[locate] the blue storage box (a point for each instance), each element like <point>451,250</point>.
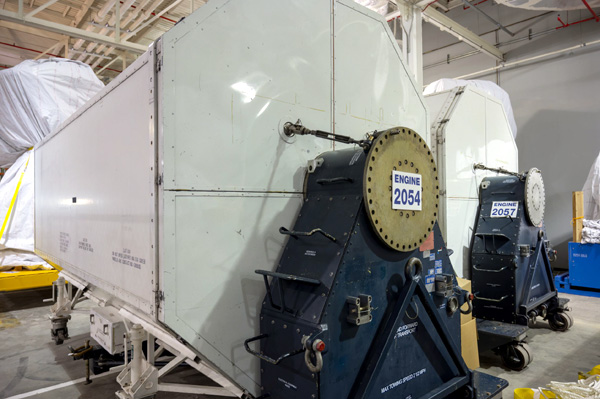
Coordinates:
<point>584,265</point>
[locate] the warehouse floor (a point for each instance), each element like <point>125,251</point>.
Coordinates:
<point>31,365</point>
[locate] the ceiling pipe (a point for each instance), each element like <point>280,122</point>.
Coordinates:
<point>509,65</point>
<point>40,52</point>
<point>498,24</point>
<point>533,19</point>
<point>105,9</point>
<point>105,31</point>
<point>133,14</point>
<point>573,23</point>
<point>161,17</point>
<point>592,11</point>
<point>140,19</point>
<point>138,29</point>
<point>529,37</point>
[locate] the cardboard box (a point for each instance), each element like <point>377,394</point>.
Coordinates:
<point>465,285</point>
<point>469,347</point>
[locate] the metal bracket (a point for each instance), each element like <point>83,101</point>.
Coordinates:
<point>359,311</point>
<point>444,285</point>
<point>524,250</point>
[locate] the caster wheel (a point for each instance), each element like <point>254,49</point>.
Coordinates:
<point>468,392</point>
<point>60,337</point>
<point>560,321</point>
<point>517,356</point>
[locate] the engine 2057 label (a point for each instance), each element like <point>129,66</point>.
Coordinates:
<point>504,209</point>
<point>406,191</point>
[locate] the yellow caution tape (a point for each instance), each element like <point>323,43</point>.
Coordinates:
<point>14,198</point>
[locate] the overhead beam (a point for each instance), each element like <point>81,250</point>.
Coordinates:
<point>49,50</point>
<point>440,20</point>
<point>42,7</point>
<point>70,31</point>
<point>31,31</point>
<point>82,12</point>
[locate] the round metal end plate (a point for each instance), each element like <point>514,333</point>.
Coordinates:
<point>400,149</point>
<point>535,197</point>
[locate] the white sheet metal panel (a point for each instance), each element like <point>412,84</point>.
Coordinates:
<point>213,297</point>
<point>262,63</point>
<point>94,194</point>
<point>373,88</point>
<point>476,131</point>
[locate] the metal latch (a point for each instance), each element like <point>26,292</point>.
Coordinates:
<point>359,311</point>
<point>444,285</point>
<point>524,250</point>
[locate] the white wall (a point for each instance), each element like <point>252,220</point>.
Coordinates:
<point>556,102</point>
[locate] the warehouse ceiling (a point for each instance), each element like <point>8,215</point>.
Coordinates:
<point>109,34</point>
<point>106,34</point>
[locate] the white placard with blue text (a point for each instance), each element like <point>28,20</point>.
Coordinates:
<point>406,191</point>
<point>504,209</point>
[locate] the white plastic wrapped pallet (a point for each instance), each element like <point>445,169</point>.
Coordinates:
<point>36,97</point>
<point>591,192</point>
<point>591,208</point>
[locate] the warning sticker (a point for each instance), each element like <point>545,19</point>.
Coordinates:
<point>429,282</point>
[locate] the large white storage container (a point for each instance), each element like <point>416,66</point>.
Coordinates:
<point>468,126</point>
<point>167,190</point>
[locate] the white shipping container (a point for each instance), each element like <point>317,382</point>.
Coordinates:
<point>167,190</point>
<point>468,127</point>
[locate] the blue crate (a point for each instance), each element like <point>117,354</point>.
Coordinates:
<point>584,271</point>
<point>584,265</point>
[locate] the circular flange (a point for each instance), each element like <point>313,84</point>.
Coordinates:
<point>400,149</point>
<point>535,197</point>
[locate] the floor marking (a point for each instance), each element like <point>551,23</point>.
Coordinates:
<point>59,386</point>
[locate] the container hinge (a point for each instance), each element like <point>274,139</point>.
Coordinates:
<point>160,296</point>
<point>158,64</point>
<point>159,180</point>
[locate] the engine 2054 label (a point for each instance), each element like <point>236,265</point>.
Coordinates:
<point>504,209</point>
<point>406,191</point>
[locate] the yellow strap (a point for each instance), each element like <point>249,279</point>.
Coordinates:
<point>14,198</point>
<point>574,219</point>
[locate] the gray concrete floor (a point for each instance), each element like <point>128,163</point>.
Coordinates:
<point>29,360</point>
<point>556,356</point>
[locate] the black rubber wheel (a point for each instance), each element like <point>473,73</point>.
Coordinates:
<point>560,321</point>
<point>516,356</point>
<point>60,337</point>
<point>468,392</point>
<point>570,319</point>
